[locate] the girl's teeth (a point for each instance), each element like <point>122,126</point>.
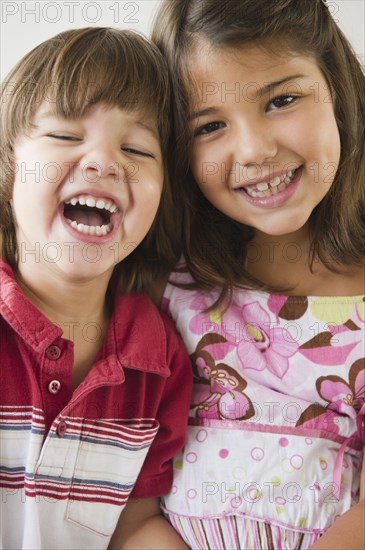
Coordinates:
<point>264,189</point>
<point>82,201</point>
<point>73,201</point>
<point>90,229</point>
<point>262,186</point>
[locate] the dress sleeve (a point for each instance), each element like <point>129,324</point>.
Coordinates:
<point>155,477</point>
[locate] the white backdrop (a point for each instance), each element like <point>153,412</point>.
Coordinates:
<point>24,24</point>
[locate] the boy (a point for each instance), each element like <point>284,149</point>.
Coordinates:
<point>95,386</point>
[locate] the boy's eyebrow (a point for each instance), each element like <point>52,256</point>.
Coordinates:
<point>45,115</point>
<point>263,90</point>
<point>152,130</point>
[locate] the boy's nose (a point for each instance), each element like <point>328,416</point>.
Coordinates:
<point>96,170</point>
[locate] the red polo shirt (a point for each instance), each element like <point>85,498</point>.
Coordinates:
<point>70,460</point>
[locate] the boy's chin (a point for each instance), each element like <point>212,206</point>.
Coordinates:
<point>80,272</point>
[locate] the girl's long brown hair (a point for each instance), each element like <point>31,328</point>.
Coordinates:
<point>215,247</point>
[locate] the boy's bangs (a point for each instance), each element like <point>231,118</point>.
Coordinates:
<point>116,71</point>
<point>81,67</point>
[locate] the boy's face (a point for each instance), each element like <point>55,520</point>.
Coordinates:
<point>86,191</point>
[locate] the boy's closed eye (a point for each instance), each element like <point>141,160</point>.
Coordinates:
<point>139,152</point>
<point>72,138</point>
<point>64,137</point>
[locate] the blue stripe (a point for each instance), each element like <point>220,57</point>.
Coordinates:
<point>15,469</point>
<point>107,442</point>
<point>13,427</point>
<point>96,483</point>
<point>17,428</point>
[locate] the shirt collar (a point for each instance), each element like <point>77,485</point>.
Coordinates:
<point>136,336</point>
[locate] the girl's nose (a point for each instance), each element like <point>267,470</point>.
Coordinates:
<point>255,143</point>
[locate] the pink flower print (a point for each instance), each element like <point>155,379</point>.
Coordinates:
<point>287,307</point>
<point>263,347</point>
<point>221,399</point>
<point>333,346</point>
<point>218,389</point>
<point>215,321</point>
<point>317,417</point>
<point>345,398</point>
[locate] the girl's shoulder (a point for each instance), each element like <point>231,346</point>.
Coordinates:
<point>179,298</point>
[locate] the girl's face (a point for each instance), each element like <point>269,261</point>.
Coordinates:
<point>86,190</point>
<point>266,144</point>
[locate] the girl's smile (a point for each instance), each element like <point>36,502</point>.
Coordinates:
<point>269,193</point>
<point>266,143</point>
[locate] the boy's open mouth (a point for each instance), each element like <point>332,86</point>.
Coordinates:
<point>90,215</point>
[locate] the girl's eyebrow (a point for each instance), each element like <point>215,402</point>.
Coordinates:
<point>203,112</point>
<point>268,87</point>
<point>271,85</point>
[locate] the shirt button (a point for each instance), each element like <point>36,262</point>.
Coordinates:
<point>53,352</point>
<point>54,386</point>
<point>61,428</point>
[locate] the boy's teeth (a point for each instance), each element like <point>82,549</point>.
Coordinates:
<point>101,204</point>
<point>90,202</point>
<point>90,229</point>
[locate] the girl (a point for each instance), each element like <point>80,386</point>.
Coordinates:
<point>94,383</point>
<point>270,176</point>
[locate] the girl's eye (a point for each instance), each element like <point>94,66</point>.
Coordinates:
<point>281,101</point>
<point>209,128</point>
<point>133,151</point>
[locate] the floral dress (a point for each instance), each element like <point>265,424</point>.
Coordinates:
<point>275,439</point>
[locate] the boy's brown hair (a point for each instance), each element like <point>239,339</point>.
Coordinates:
<point>215,247</point>
<point>74,70</point>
